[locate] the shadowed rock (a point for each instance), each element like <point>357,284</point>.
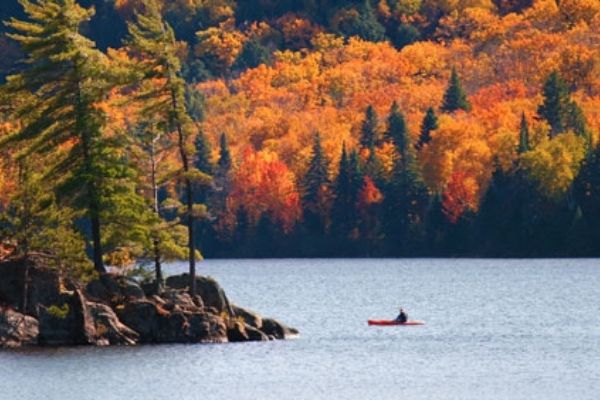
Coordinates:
<point>17,329</point>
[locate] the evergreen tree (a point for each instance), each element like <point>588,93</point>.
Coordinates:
<point>430,123</point>
<point>586,190</point>
<point>347,186</point>
<point>556,103</point>
<point>559,110</point>
<point>576,121</point>
<point>203,153</point>
<point>362,22</point>
<point>155,41</point>
<point>524,135</point>
<point>224,162</point>
<point>397,128</point>
<point>369,136</point>
<point>314,189</point>
<point>167,236</point>
<point>341,211</point>
<point>455,97</point>
<point>252,55</point>
<point>405,200</point>
<point>68,77</point>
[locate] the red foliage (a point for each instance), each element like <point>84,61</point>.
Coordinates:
<point>264,184</point>
<point>460,196</point>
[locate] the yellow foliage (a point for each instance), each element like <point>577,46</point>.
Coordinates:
<point>220,46</point>
<point>555,163</point>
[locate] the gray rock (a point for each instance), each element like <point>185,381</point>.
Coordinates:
<point>278,330</point>
<point>67,322</point>
<point>43,286</point>
<point>206,328</point>
<point>17,329</point>
<point>108,328</point>
<point>207,288</point>
<point>130,288</point>
<point>250,317</point>
<point>142,316</point>
<point>236,332</point>
<point>255,334</point>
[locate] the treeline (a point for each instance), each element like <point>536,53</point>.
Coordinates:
<point>307,143</point>
<point>366,210</point>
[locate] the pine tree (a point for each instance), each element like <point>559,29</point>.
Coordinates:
<point>224,162</point>
<point>314,188</point>
<point>369,134</point>
<point>397,128</point>
<point>155,41</point>
<point>222,177</point>
<point>559,110</point>
<point>524,136</point>
<point>430,123</point>
<point>168,237</point>
<point>405,199</point>
<point>556,103</point>
<point>67,77</point>
<point>342,204</point>
<point>347,187</point>
<point>455,97</point>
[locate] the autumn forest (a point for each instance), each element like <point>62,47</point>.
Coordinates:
<point>143,131</point>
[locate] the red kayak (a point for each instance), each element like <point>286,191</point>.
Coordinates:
<point>390,322</point>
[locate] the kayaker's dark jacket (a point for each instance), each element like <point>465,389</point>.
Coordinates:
<point>402,317</point>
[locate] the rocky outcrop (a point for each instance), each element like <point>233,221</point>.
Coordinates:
<point>108,329</point>
<point>115,310</point>
<point>207,288</point>
<point>277,330</point>
<point>17,329</point>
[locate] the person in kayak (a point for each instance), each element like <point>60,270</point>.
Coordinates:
<point>402,317</point>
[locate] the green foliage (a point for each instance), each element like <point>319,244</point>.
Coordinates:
<point>397,130</point>
<point>524,136</point>
<point>346,188</point>
<point>59,312</point>
<point>66,76</point>
<point>455,97</point>
<point>406,196</point>
<point>369,132</point>
<point>224,162</point>
<point>36,224</point>
<point>315,189</point>
<point>252,55</point>
<point>555,108</point>
<point>361,22</point>
<point>430,123</point>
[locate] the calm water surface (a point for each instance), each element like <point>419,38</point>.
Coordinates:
<point>496,329</point>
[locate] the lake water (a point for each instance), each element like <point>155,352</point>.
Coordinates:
<point>496,329</point>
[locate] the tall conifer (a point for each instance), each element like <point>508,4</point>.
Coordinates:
<point>155,41</point>
<point>430,123</point>
<point>67,77</point>
<point>455,97</point>
<point>314,188</point>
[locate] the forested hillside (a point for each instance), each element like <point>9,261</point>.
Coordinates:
<point>141,130</point>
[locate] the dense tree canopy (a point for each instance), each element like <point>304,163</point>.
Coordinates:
<point>430,115</point>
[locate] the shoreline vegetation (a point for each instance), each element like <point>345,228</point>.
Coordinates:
<point>139,132</point>
<point>39,307</point>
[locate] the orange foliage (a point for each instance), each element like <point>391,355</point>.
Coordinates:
<point>460,196</point>
<point>264,185</point>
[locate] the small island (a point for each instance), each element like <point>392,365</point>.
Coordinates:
<point>39,307</point>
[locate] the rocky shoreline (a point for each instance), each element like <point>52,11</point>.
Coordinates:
<point>39,308</point>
